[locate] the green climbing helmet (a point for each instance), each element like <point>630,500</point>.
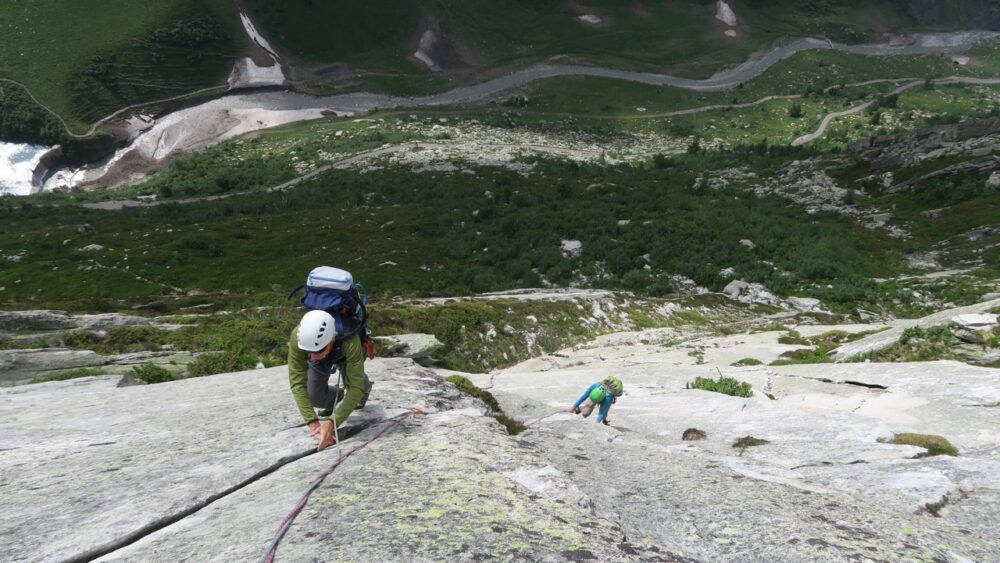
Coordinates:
<point>597,395</point>
<point>614,385</point>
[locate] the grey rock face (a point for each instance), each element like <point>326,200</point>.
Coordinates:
<point>825,488</point>
<point>206,469</point>
<point>86,463</point>
<point>19,366</point>
<point>18,321</point>
<point>975,321</point>
<point>805,304</point>
<point>889,337</point>
<point>21,322</point>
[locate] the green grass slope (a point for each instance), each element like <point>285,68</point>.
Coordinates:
<point>86,59</point>
<point>377,39</point>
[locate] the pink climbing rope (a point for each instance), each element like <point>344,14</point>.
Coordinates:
<point>287,522</point>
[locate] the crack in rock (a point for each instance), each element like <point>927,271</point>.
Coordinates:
<point>828,464</point>
<point>170,519</point>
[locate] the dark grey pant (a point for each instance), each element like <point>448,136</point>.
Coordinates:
<point>321,394</point>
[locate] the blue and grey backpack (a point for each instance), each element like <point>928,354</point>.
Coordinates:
<point>333,290</point>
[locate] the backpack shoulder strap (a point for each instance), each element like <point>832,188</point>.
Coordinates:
<point>296,290</point>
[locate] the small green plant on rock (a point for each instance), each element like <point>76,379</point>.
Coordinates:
<point>746,362</point>
<point>935,445</point>
<point>692,434</point>
<point>724,385</point>
<point>151,373</point>
<point>748,442</point>
<point>514,427</point>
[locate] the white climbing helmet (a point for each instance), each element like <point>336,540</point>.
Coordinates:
<point>316,330</point>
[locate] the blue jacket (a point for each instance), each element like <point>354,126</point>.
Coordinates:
<point>605,404</point>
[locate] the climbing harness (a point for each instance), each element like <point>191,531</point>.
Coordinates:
<point>272,548</point>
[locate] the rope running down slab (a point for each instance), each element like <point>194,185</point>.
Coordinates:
<point>287,522</point>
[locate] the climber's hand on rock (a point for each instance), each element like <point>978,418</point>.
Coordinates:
<point>325,435</point>
<point>314,429</point>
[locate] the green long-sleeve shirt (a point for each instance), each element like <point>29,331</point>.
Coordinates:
<point>298,370</point>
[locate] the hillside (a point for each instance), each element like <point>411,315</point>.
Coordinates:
<point>76,75</point>
<point>777,222</point>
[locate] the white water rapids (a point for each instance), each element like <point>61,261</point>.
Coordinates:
<point>17,166</point>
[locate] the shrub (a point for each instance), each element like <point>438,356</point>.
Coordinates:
<point>725,385</point>
<point>151,373</point>
<point>747,362</point>
<point>692,434</point>
<point>218,362</point>
<point>513,427</point>
<point>748,442</point>
<point>935,445</point>
<point>805,356</point>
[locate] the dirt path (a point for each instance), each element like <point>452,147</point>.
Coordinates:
<point>837,114</point>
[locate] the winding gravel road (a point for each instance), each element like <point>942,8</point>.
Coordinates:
<point>837,114</point>
<point>198,127</point>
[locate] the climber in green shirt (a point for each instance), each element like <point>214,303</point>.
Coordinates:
<point>315,352</point>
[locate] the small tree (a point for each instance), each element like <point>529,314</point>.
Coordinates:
<point>795,111</point>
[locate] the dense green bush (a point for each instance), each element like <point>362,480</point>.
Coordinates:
<point>219,362</point>
<point>151,373</point>
<point>724,385</point>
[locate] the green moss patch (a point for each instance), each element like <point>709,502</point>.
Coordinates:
<point>692,434</point>
<point>935,445</point>
<point>514,427</point>
<point>748,442</point>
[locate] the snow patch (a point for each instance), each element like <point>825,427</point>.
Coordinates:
<point>257,37</point>
<point>246,73</point>
<point>427,41</point>
<point>591,19</point>
<point>724,13</point>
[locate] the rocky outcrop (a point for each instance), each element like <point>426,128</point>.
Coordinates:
<point>418,347</point>
<point>887,338</point>
<point>21,366</point>
<point>888,152</point>
<point>153,473</point>
<point>18,367</point>
<point>28,325</point>
<point>829,485</point>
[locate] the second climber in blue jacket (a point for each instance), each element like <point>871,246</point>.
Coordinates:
<point>604,394</point>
